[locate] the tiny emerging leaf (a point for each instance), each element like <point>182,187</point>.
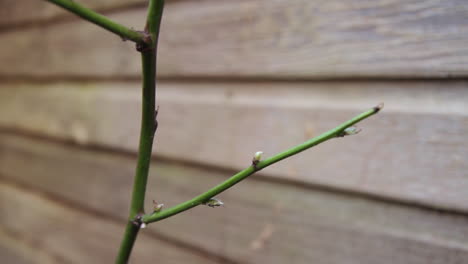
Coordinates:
<point>157,206</point>
<point>352,130</point>
<point>213,202</point>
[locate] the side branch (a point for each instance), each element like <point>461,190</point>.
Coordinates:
<point>338,131</point>
<point>100,20</point>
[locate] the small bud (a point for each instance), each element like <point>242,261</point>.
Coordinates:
<point>157,206</point>
<point>351,131</point>
<point>213,202</point>
<point>378,107</point>
<point>258,156</point>
<point>256,159</point>
<point>143,225</point>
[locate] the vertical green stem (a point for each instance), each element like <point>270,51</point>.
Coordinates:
<point>148,128</point>
<point>130,235</point>
<point>146,133</point>
<point>144,155</point>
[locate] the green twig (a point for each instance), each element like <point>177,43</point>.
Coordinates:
<point>100,20</point>
<point>148,128</point>
<point>256,166</point>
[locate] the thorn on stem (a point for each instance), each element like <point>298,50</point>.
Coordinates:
<point>213,202</point>
<point>156,119</point>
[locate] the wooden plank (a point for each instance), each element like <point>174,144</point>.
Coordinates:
<point>9,256</point>
<point>19,250</point>
<point>404,153</point>
<point>261,39</point>
<point>262,222</point>
<point>14,12</point>
<point>74,236</point>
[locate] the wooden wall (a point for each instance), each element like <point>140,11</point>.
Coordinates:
<point>236,77</point>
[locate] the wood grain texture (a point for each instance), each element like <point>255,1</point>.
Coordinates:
<point>413,151</point>
<point>18,249</point>
<point>13,13</point>
<point>262,222</point>
<point>260,39</point>
<point>72,236</point>
<point>9,256</point>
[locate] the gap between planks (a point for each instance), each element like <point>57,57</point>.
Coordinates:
<point>221,79</point>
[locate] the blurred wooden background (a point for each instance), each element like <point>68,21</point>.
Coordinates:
<point>236,77</point>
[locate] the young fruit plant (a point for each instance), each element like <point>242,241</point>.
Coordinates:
<point>147,44</point>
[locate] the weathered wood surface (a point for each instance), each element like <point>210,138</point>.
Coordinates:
<point>7,255</point>
<point>68,235</point>
<point>261,39</point>
<point>22,249</point>
<point>413,151</point>
<point>262,222</point>
<point>14,12</point>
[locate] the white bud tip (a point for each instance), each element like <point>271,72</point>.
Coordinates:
<point>214,202</point>
<point>143,225</point>
<point>258,155</point>
<point>158,207</point>
<point>352,131</point>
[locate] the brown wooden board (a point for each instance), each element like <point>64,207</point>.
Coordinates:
<point>69,235</point>
<point>7,255</point>
<point>259,39</point>
<point>19,249</point>
<point>30,12</point>
<point>261,222</point>
<point>413,151</point>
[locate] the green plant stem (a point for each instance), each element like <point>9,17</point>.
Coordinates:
<point>153,23</point>
<point>336,132</point>
<point>126,246</point>
<point>148,128</point>
<point>100,20</point>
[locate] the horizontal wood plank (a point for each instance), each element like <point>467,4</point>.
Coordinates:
<point>7,255</point>
<point>72,236</point>
<point>260,39</point>
<point>18,249</point>
<point>413,151</point>
<point>13,13</point>
<point>261,222</point>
